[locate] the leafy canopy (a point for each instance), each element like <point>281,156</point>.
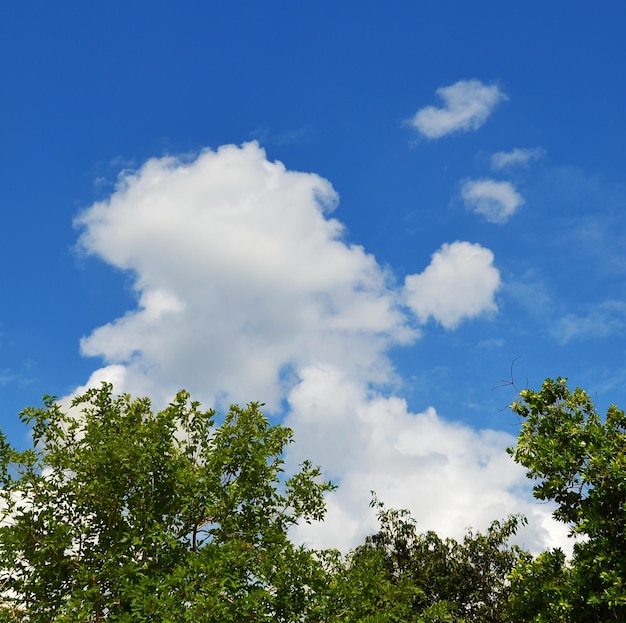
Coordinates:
<point>117,513</point>
<point>121,514</point>
<point>578,460</point>
<point>401,576</point>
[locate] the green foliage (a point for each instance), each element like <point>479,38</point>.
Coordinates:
<point>399,575</point>
<point>541,590</point>
<point>120,514</point>
<point>578,459</point>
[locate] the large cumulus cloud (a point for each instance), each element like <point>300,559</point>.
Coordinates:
<point>247,290</point>
<point>241,276</point>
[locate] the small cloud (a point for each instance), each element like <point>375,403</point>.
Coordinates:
<point>515,158</point>
<point>496,201</point>
<point>460,282</point>
<point>467,105</point>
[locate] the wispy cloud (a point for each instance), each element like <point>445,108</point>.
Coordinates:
<point>459,283</point>
<point>515,158</point>
<point>467,105</point>
<point>606,319</point>
<point>7,376</point>
<point>530,292</point>
<point>496,201</point>
<point>266,135</point>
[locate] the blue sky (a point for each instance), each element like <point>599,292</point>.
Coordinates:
<point>360,215</point>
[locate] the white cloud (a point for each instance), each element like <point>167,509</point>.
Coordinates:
<point>247,291</point>
<point>467,105</point>
<point>516,157</point>
<point>241,277</point>
<point>496,201</point>
<point>448,475</point>
<point>459,283</point>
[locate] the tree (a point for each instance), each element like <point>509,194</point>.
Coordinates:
<point>399,575</point>
<point>121,514</point>
<point>578,459</point>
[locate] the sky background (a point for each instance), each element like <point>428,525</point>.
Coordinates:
<point>365,215</point>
